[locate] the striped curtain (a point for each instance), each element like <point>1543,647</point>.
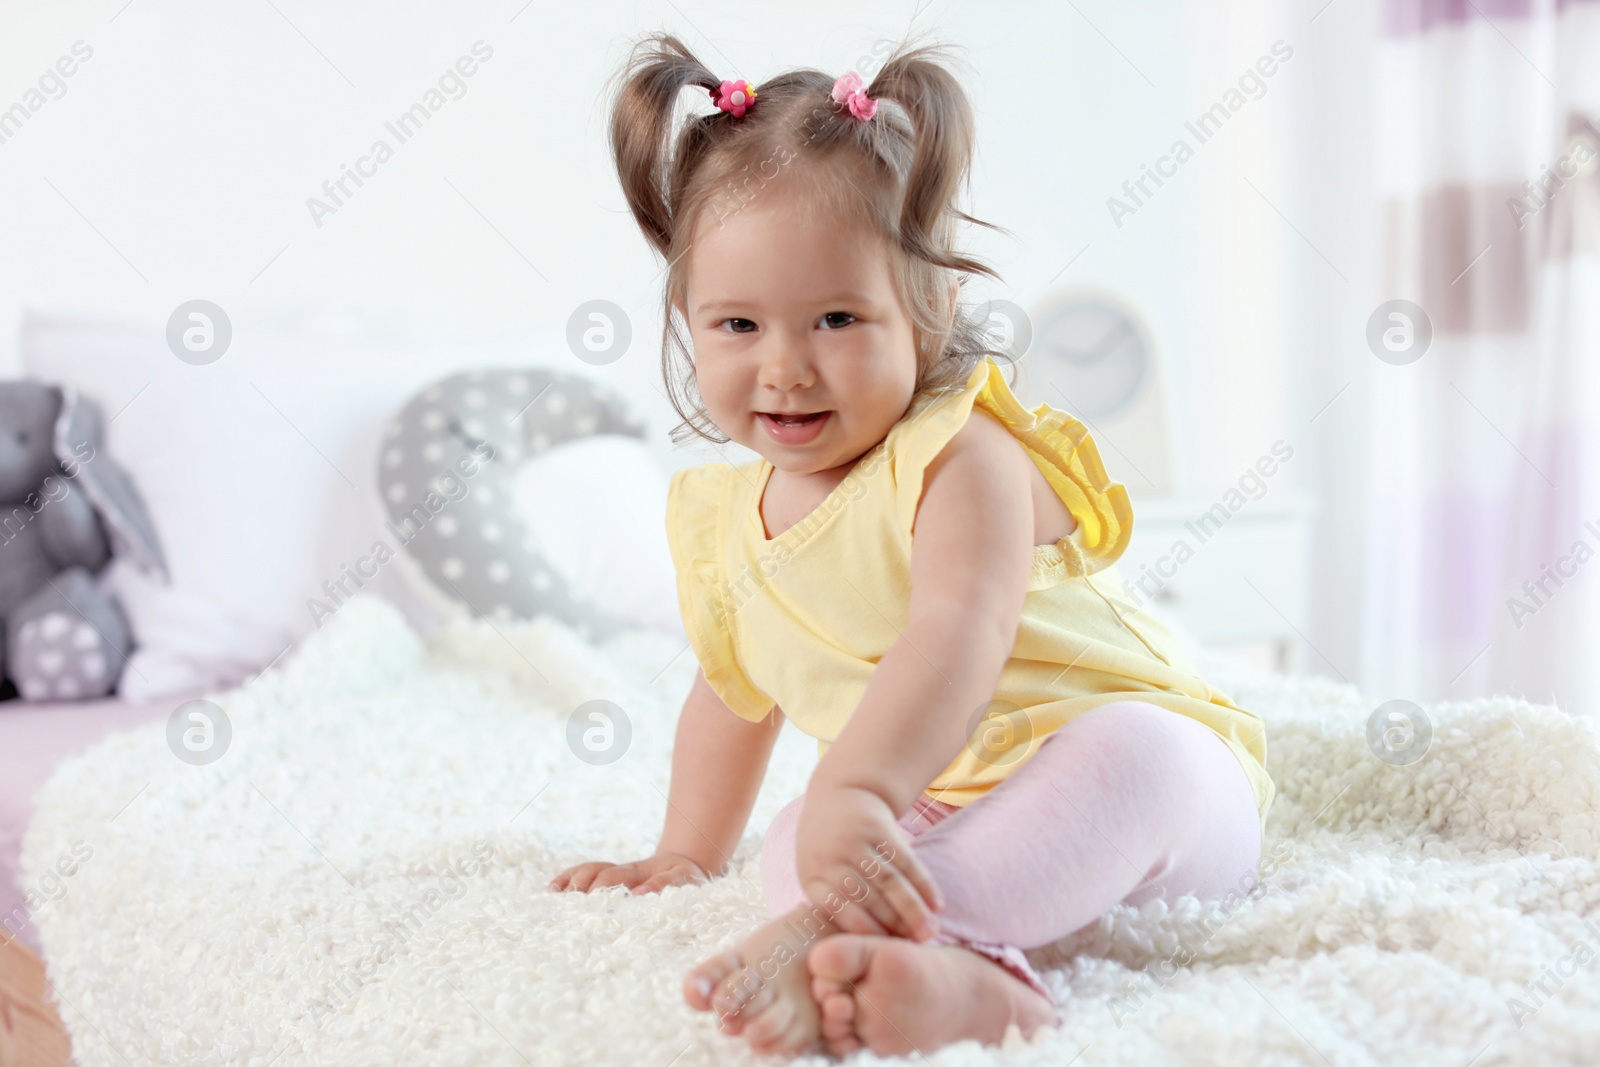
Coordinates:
<point>1483,552</point>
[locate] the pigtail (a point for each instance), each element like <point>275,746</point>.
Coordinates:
<point>942,136</point>
<point>658,69</point>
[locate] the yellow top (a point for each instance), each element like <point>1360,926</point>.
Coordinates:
<point>802,619</point>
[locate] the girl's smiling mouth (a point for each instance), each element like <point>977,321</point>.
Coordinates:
<point>796,429</point>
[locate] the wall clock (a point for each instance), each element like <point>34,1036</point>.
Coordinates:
<point>1092,355</point>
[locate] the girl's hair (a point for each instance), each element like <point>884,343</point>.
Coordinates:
<point>898,172</point>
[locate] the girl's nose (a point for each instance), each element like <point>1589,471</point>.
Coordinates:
<point>786,367</point>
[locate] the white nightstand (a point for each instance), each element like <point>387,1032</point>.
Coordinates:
<point>1238,580</point>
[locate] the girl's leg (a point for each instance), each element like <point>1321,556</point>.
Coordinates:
<point>1125,803</point>
<point>780,885</point>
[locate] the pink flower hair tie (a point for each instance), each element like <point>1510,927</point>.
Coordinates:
<point>847,90</point>
<point>735,97</point>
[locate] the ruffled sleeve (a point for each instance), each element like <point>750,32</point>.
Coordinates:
<point>1059,445</point>
<point>696,509</point>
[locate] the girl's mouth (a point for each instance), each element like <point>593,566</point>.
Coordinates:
<point>794,429</point>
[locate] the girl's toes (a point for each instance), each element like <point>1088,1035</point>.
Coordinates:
<point>838,1017</point>
<point>741,999</point>
<point>701,982</point>
<point>846,1047</point>
<point>838,1008</point>
<point>844,1044</point>
<point>772,1029</point>
<point>840,961</point>
<point>822,989</point>
<point>836,964</point>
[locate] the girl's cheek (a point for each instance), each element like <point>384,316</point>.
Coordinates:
<point>715,392</point>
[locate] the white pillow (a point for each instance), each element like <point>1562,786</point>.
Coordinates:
<point>617,556</point>
<point>259,472</point>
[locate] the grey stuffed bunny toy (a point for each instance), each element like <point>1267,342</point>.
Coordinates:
<point>65,511</point>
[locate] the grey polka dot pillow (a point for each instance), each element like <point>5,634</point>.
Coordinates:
<point>446,472</point>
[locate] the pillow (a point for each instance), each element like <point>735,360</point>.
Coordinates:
<point>453,460</point>
<point>259,470</point>
<point>618,557</point>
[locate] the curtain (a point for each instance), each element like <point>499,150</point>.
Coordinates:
<point>1483,519</point>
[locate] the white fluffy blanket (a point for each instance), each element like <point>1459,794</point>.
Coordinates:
<point>303,899</point>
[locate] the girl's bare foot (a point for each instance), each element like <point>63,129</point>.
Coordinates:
<point>761,989</point>
<point>895,996</point>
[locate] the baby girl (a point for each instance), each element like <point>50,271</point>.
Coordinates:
<point>917,572</point>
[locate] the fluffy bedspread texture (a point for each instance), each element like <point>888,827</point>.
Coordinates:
<point>360,879</point>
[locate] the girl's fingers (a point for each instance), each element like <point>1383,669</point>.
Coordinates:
<point>657,882</point>
<point>636,876</point>
<point>907,863</point>
<point>882,908</point>
<point>908,904</point>
<point>886,892</point>
<point>563,880</point>
<point>625,874</point>
<point>852,917</point>
<point>582,876</point>
<point>908,913</point>
<point>855,919</point>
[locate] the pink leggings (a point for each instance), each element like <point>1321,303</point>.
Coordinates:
<point>1125,803</point>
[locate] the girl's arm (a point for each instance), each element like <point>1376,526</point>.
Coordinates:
<point>970,563</point>
<point>718,762</point>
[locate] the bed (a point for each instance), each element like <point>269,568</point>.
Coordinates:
<point>360,879</point>
<point>34,738</point>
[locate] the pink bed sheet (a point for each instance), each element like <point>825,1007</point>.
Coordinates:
<point>34,738</point>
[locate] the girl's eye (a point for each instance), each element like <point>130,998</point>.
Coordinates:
<point>738,325</point>
<point>831,317</point>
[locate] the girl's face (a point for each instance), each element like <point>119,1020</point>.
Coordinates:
<point>796,316</point>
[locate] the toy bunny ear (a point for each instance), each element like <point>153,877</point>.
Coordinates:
<point>80,449</point>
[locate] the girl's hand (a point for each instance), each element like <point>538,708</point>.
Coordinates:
<point>646,876</point>
<point>853,859</point>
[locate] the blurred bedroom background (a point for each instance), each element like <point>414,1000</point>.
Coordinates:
<point>1321,277</point>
